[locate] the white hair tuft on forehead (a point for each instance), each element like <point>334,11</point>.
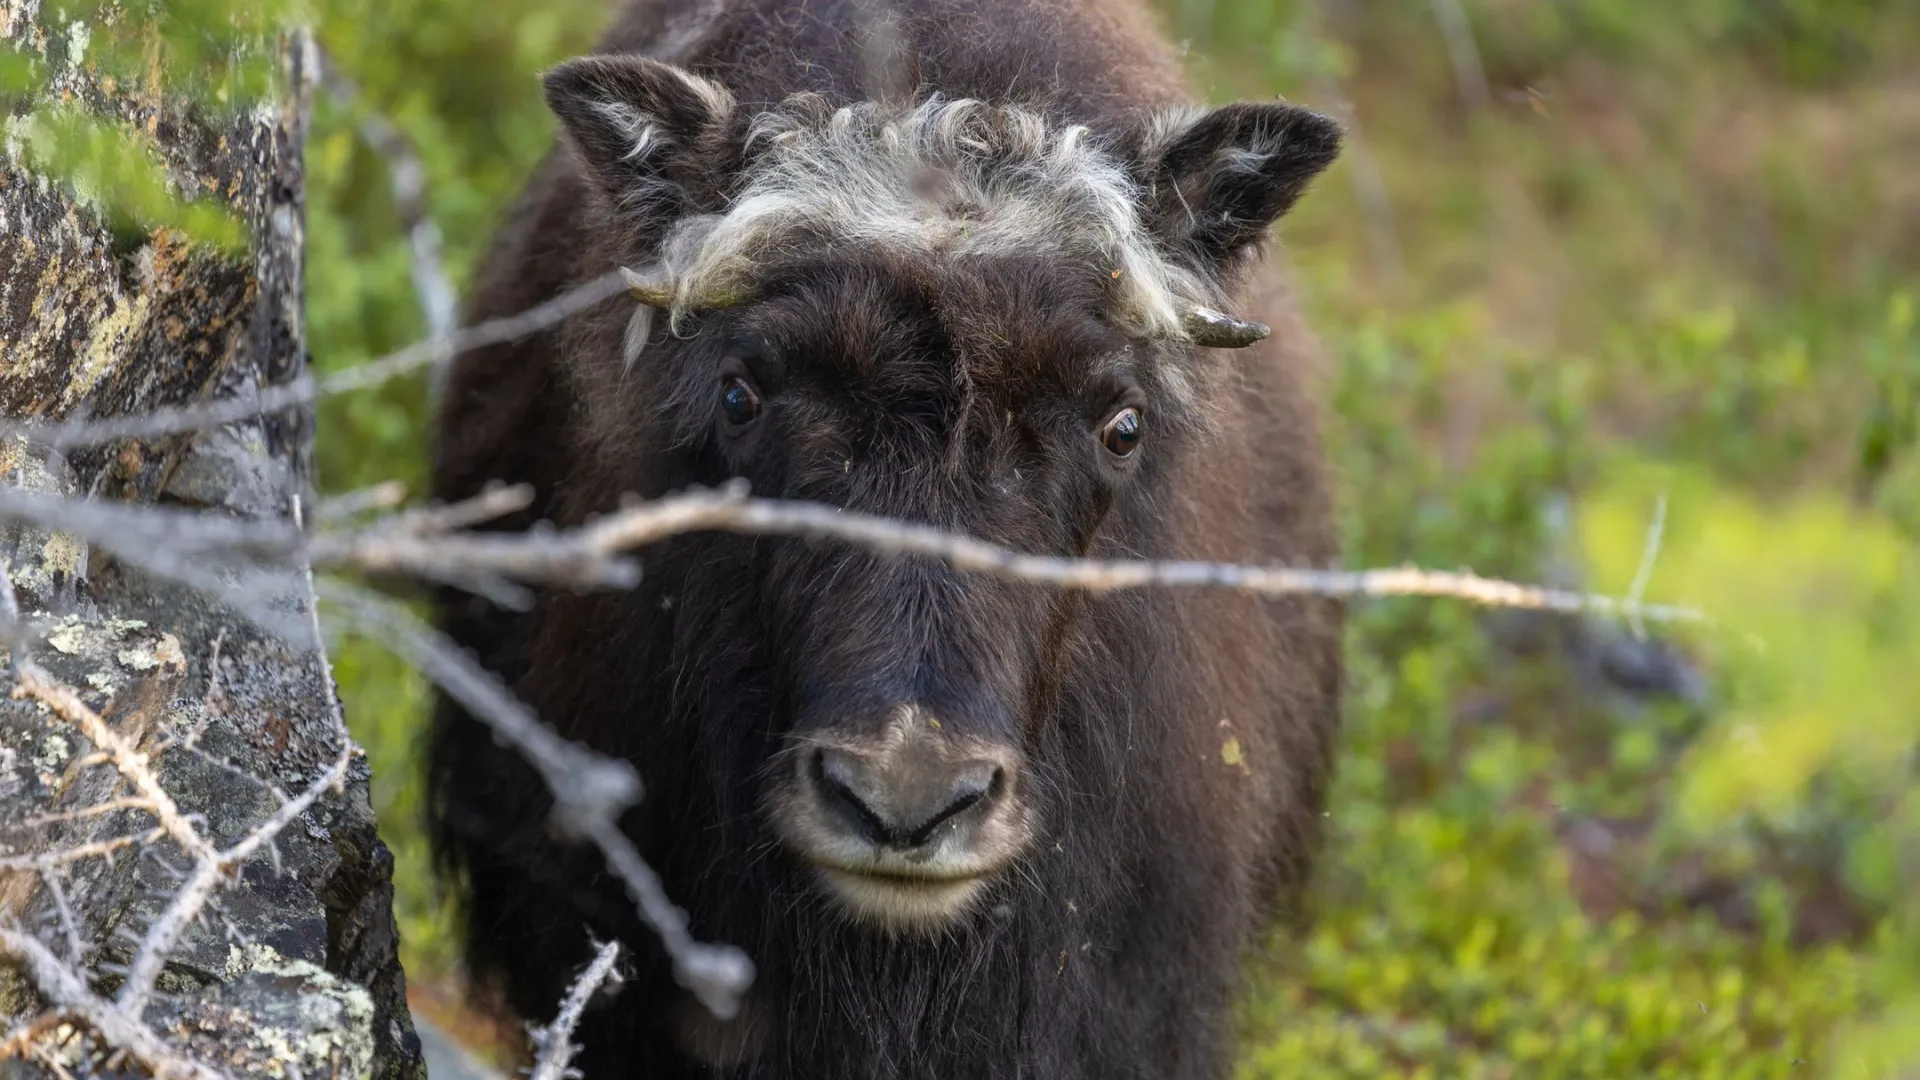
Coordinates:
<point>945,178</point>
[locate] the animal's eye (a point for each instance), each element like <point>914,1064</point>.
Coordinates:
<point>1122,434</point>
<point>738,403</point>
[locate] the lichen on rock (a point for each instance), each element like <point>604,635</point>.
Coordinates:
<point>296,973</point>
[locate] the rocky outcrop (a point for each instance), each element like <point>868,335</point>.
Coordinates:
<point>292,971</point>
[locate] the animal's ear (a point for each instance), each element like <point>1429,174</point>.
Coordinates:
<point>647,132</point>
<point>1218,180</point>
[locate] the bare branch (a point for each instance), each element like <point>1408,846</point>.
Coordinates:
<point>107,807</point>
<point>97,849</point>
<point>120,1027</point>
<point>76,949</point>
<point>213,553</point>
<point>1468,72</point>
<point>716,974</point>
<point>495,502</point>
<point>45,1057</point>
<point>131,763</point>
<point>590,556</point>
<point>305,389</point>
<point>585,784</point>
<point>209,864</point>
<point>208,872</point>
<point>118,525</point>
<point>438,304</point>
<point>331,778</point>
<point>589,790</point>
<point>1649,553</point>
<point>382,496</point>
<point>556,1040</point>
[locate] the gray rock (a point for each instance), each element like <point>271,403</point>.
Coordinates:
<point>295,971</point>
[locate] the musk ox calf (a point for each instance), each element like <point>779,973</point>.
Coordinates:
<point>974,263</point>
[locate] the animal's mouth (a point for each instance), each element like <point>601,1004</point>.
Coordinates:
<point>901,901</point>
<point>906,830</point>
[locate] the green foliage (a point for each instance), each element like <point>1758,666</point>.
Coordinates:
<point>1598,306</point>
<point>460,80</point>
<point>1815,601</point>
<point>1451,940</point>
<point>1802,41</point>
<point>1818,734</point>
<point>218,54</point>
<point>1809,43</point>
<point>1471,961</point>
<point>116,172</point>
<point>1892,428</point>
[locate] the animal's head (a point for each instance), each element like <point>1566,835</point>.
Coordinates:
<point>955,313</point>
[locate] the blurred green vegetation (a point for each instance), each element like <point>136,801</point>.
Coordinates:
<point>460,81</point>
<point>1673,255</point>
<point>1672,258</point>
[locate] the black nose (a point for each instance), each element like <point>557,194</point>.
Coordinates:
<point>899,797</point>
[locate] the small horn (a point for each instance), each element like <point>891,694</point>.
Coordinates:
<point>655,292</point>
<point>1217,330</point>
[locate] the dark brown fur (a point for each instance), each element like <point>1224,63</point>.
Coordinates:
<point>955,395</point>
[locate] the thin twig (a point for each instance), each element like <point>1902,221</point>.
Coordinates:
<point>130,762</point>
<point>332,778</point>
<point>585,784</point>
<point>180,546</point>
<point>408,176</point>
<point>305,389</point>
<point>45,1057</point>
<point>382,496</point>
<point>184,533</point>
<point>76,949</point>
<point>592,556</point>
<point>206,877</point>
<point>107,807</point>
<point>120,1027</point>
<point>718,975</point>
<point>556,1039</point>
<point>496,501</point>
<point>1469,74</point>
<point>589,790</point>
<point>45,861</point>
<point>210,865</point>
<point>1649,552</point>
